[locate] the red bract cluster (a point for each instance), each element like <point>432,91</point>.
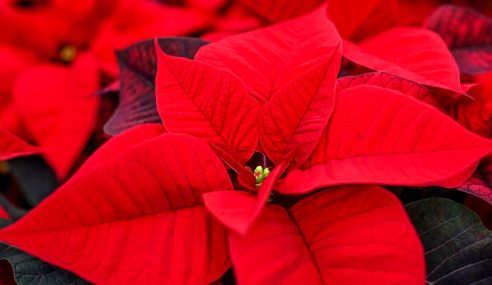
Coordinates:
<point>280,155</point>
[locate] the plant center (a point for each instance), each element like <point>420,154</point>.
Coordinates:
<point>260,174</point>
<point>68,53</point>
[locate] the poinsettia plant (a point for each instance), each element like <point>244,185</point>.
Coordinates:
<point>283,155</point>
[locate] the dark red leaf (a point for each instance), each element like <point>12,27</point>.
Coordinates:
<point>480,184</point>
<point>131,219</point>
<point>467,33</point>
<point>478,187</point>
<point>351,235</point>
<point>390,81</point>
<point>198,99</point>
<point>382,136</point>
<point>138,66</point>
<point>415,54</point>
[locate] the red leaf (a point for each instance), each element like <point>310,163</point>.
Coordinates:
<point>59,109</point>
<point>119,144</point>
<point>14,61</point>
<point>467,33</point>
<point>111,228</point>
<point>246,179</point>
<point>389,81</point>
<point>229,157</point>
<point>269,59</point>
<point>197,99</point>
<point>357,20</point>
<point>11,146</point>
<point>278,10</point>
<point>234,209</point>
<point>415,54</point>
<point>339,236</point>
<point>381,136</point>
<point>294,119</point>
<point>238,210</point>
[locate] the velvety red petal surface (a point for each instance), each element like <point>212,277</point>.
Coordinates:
<point>110,227</point>
<point>350,235</point>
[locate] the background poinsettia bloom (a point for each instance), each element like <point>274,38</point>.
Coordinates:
<point>51,106</point>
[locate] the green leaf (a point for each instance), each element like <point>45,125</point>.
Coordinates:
<point>458,247</point>
<point>36,179</point>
